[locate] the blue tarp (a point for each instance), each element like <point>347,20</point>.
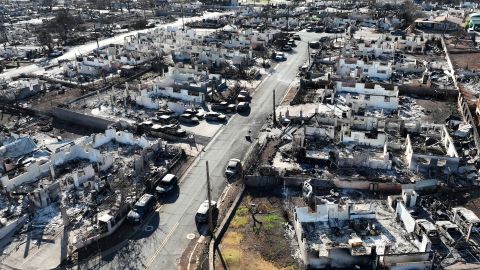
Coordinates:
<point>19,147</point>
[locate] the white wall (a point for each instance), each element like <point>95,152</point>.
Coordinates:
<point>359,88</point>
<point>366,160</point>
<point>320,132</point>
<point>324,212</point>
<point>359,68</point>
<point>145,98</point>
<point>377,48</point>
<point>120,137</point>
<point>183,94</point>
<point>360,138</point>
<point>448,143</point>
<point>405,217</point>
<point>377,102</point>
<point>82,175</point>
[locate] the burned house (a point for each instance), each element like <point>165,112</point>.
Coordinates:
<point>21,89</point>
<point>80,186</point>
<point>432,152</point>
<point>358,68</point>
<point>339,232</point>
<point>440,24</point>
<point>367,96</point>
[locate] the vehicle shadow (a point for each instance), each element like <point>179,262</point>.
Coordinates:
<point>170,197</point>
<point>147,228</point>
<point>189,124</point>
<point>236,177</point>
<point>203,228</point>
<point>214,122</point>
<point>245,112</point>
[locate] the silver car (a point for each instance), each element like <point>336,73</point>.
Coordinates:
<point>234,166</point>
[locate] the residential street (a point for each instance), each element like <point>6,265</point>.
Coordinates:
<point>163,248</point>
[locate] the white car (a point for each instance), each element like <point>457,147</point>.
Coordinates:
<point>202,213</point>
<point>234,166</point>
<point>280,56</point>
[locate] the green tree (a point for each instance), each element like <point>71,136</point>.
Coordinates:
<point>63,24</point>
<point>45,39</point>
<point>3,30</point>
<point>409,12</point>
<point>147,5</point>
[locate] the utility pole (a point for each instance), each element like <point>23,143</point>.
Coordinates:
<point>308,51</point>
<point>274,113</point>
<point>96,38</point>
<point>183,20</point>
<point>209,197</point>
<point>288,14</point>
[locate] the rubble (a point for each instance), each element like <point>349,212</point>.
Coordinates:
<point>374,145</point>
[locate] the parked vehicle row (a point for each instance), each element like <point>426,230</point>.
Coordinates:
<point>215,116</point>
<point>146,204</point>
<point>158,129</point>
<point>243,105</point>
<point>463,224</point>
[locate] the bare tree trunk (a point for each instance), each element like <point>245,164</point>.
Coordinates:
<point>254,218</point>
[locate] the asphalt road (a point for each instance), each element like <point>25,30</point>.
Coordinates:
<point>161,244</point>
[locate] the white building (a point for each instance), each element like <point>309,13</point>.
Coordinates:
<point>363,138</point>
<point>359,68</point>
<point>367,89</point>
<point>93,66</point>
<point>361,101</point>
<point>377,48</point>
<point>411,43</point>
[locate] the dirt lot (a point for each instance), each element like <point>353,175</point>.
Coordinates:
<point>437,111</point>
<point>469,60</point>
<point>463,54</point>
<point>471,200</point>
<point>460,44</point>
<point>260,241</point>
<point>46,101</point>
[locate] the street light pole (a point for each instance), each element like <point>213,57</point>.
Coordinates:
<point>183,17</point>
<point>209,197</point>
<point>308,51</point>
<point>274,113</point>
